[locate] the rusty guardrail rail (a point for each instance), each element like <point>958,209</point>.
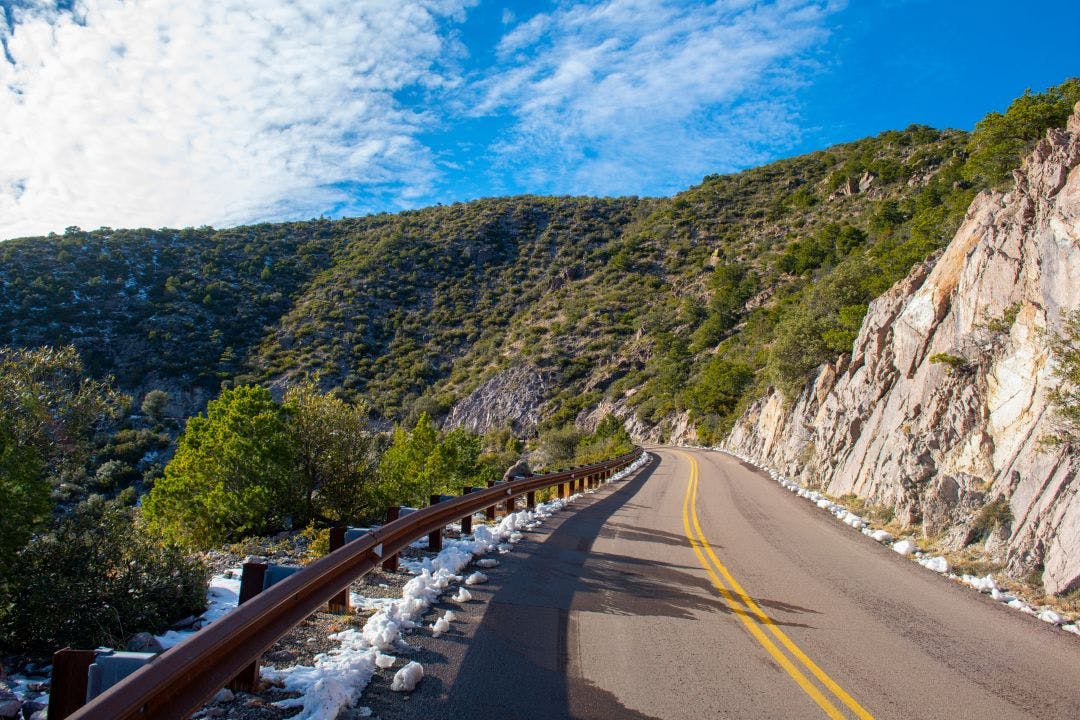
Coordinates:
<point>186,676</point>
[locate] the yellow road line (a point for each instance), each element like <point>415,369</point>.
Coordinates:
<point>808,687</point>
<point>697,541</point>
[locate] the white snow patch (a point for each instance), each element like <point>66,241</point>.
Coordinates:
<point>487,563</point>
<point>222,595</point>
<point>407,678</point>
<point>881,536</point>
<point>463,595</point>
<point>384,661</point>
<point>476,578</point>
<point>904,547</point>
<point>938,564</point>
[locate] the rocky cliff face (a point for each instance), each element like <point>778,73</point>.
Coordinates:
<point>510,398</point>
<point>940,411</point>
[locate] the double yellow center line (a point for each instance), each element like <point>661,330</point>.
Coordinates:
<point>755,619</point>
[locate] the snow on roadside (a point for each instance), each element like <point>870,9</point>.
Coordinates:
<point>908,547</point>
<point>337,678</point>
<point>221,597</point>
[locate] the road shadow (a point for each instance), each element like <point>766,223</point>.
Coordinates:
<point>516,664</point>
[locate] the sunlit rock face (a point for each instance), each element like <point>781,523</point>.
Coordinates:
<point>944,404</point>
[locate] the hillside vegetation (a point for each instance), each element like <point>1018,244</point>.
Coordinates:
<point>271,359</point>
<point>689,304</point>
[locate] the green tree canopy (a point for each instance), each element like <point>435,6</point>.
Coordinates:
<point>233,473</point>
<point>1001,139</point>
<point>48,414</point>
<point>336,455</point>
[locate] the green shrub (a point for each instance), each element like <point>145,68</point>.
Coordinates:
<point>95,579</point>
<point>1001,139</point>
<point>992,515</point>
<point>233,474</point>
<point>954,363</point>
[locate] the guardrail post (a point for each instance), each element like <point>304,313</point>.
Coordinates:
<point>67,692</point>
<point>390,564</point>
<point>489,512</point>
<point>562,490</point>
<point>530,499</point>
<point>251,584</point>
<point>434,538</point>
<point>340,602</point>
<point>466,522</point>
<point>511,503</point>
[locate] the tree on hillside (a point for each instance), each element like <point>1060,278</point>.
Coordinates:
<point>153,405</point>
<point>233,473</point>
<point>48,414</point>
<point>424,462</point>
<point>1000,140</point>
<point>336,454</point>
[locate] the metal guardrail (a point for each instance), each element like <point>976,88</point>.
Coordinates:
<point>186,676</point>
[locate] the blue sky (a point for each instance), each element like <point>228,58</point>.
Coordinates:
<point>157,113</point>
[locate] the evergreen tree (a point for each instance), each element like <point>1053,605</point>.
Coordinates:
<point>233,473</point>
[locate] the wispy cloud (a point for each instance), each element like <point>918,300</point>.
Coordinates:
<point>154,112</point>
<point>620,95</point>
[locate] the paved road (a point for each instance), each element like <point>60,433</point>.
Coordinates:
<point>701,589</point>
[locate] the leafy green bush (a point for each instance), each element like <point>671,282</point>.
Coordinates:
<point>95,579</point>
<point>233,473</point>
<point>336,455</point>
<point>49,412</point>
<point>954,363</point>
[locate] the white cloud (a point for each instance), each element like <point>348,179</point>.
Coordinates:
<point>620,95</point>
<point>156,112</point>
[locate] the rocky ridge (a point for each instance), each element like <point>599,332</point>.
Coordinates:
<point>942,411</point>
<point>511,398</point>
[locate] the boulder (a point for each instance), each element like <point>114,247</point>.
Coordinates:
<point>144,642</point>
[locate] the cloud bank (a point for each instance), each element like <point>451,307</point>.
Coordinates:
<point>160,113</point>
<point>157,113</point>
<point>621,95</point>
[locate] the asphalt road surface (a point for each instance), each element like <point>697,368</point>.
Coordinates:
<point>699,588</point>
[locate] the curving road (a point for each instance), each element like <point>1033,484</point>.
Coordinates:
<point>699,588</point>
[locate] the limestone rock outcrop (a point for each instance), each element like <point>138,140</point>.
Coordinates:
<point>942,410</point>
<point>510,398</point>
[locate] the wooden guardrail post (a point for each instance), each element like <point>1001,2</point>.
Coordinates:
<point>434,538</point>
<point>489,511</point>
<point>340,602</point>
<point>466,522</point>
<point>530,499</point>
<point>511,503</point>
<point>251,584</point>
<point>390,564</point>
<point>67,692</point>
<point>562,490</point>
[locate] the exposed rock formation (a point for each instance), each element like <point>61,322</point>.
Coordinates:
<point>511,398</point>
<point>676,428</point>
<point>941,408</point>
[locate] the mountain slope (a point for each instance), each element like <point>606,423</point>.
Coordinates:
<point>942,412</point>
